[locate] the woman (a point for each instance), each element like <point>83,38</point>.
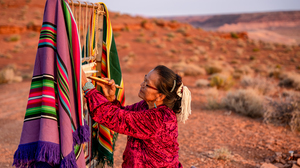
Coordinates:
<point>151,124</point>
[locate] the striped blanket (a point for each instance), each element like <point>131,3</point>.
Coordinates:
<point>103,139</point>
<point>54,130</point>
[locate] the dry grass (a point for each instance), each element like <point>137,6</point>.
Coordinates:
<point>13,38</point>
<point>284,112</point>
<point>187,69</point>
<point>212,97</point>
<point>213,67</point>
<point>245,101</point>
<point>262,85</point>
<point>222,154</point>
<point>290,80</point>
<point>221,81</point>
<point>202,83</point>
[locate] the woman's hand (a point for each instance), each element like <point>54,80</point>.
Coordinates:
<point>109,89</point>
<point>83,78</point>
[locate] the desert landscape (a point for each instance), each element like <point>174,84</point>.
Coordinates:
<point>244,77</point>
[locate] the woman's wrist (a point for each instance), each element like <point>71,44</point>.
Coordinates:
<point>87,86</point>
<point>111,98</point>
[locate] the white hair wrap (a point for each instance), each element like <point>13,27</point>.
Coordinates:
<point>186,99</point>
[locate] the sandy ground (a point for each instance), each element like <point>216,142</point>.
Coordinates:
<point>249,140</point>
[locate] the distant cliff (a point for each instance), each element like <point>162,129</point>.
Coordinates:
<point>216,21</point>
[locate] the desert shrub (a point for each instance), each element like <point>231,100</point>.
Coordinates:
<point>245,70</point>
<point>32,34</point>
<point>290,80</point>
<point>224,49</point>
<point>219,80</point>
<point>194,58</point>
<point>161,45</point>
<point>252,57</point>
<point>170,35</point>
<point>8,55</point>
<point>202,83</point>
<point>241,43</point>
<point>275,72</point>
<point>213,44</point>
<point>129,58</point>
<point>284,112</point>
<point>188,69</point>
<point>8,75</point>
<point>212,97</point>
<point>244,101</point>
<point>13,38</point>
<point>139,40</point>
<point>222,154</point>
<point>117,34</point>
<point>269,46</point>
<point>235,61</point>
<point>241,71</point>
<point>214,67</point>
<point>181,30</point>
<point>234,35</point>
<point>188,41</point>
<point>255,49</point>
<point>201,49</point>
<point>262,85</point>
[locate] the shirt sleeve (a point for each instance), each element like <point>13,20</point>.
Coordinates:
<point>142,124</point>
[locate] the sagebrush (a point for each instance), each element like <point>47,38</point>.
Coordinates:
<point>245,101</point>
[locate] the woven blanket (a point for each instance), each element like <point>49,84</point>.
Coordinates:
<point>103,139</point>
<point>54,130</point>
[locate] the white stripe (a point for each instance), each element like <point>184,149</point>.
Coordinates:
<point>38,97</point>
<point>40,76</point>
<point>42,116</point>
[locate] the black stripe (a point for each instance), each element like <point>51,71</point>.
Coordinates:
<point>46,45</point>
<point>40,118</point>
<point>50,24</point>
<point>42,113</point>
<point>42,78</point>
<point>48,32</point>
<point>48,37</point>
<point>65,91</point>
<point>103,137</point>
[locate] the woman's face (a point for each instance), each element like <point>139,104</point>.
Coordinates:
<point>148,90</point>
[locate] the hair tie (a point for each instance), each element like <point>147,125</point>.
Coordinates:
<point>174,84</point>
<point>179,90</point>
<point>186,99</point>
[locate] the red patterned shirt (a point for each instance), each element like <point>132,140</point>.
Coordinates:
<point>152,133</point>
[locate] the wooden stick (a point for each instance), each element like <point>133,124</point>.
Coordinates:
<point>102,81</point>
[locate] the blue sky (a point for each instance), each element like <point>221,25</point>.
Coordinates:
<point>197,7</point>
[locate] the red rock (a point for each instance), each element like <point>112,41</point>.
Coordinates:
<point>267,165</point>
<point>295,166</point>
<point>147,25</point>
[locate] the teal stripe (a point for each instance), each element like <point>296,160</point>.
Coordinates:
<point>46,43</point>
<point>62,67</point>
<point>48,25</point>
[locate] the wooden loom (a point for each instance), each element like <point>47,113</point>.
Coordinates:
<point>83,13</point>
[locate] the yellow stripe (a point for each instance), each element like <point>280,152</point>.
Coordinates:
<point>108,39</point>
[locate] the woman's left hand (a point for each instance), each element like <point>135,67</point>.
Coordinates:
<point>109,89</point>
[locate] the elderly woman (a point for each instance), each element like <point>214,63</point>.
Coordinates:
<point>151,124</point>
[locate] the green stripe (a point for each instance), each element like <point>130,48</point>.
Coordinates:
<point>41,83</point>
<point>41,109</point>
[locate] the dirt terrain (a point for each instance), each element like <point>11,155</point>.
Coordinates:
<point>142,44</point>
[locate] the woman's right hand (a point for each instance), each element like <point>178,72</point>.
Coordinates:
<point>109,89</point>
